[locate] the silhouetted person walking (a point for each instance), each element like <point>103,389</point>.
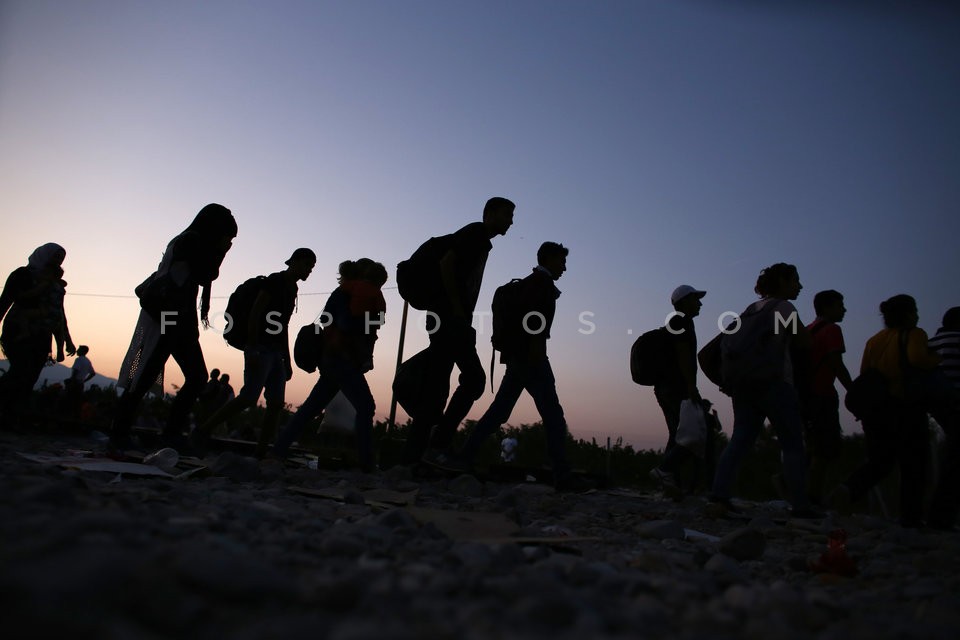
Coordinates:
<point>266,352</point>
<point>31,306</point>
<point>352,316</point>
<point>528,368</point>
<point>946,496</point>
<point>453,340</point>
<point>168,323</point>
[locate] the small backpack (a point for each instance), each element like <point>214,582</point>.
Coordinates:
<point>418,277</point>
<point>237,313</point>
<point>308,347</point>
<point>650,357</point>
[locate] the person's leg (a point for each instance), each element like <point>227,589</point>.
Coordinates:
<point>462,345</point>
<point>881,453</point>
<point>320,396</point>
<point>669,401</point>
<point>912,454</point>
<point>946,497</point>
<point>26,361</point>
<point>823,443</point>
<point>354,387</point>
<point>511,386</point>
<point>542,387</point>
<point>783,407</point>
<point>272,378</point>
<point>188,355</point>
<point>747,422</point>
<point>127,405</point>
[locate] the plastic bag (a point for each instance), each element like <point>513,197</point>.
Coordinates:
<point>692,430</point>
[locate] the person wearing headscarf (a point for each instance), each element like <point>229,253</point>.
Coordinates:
<point>168,324</point>
<point>31,307</point>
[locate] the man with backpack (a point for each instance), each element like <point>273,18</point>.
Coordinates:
<point>450,277</point>
<point>678,378</point>
<point>266,350</point>
<point>523,349</point>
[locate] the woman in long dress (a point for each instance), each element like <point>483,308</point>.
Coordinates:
<point>168,324</point>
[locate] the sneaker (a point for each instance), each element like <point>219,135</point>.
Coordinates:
<point>664,479</point>
<point>719,507</point>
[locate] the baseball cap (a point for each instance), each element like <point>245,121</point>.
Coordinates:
<point>683,291</point>
<point>302,254</point>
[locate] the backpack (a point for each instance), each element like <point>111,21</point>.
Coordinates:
<point>649,357</point>
<point>308,347</point>
<point>508,334</point>
<point>237,313</point>
<point>755,353</point>
<point>418,277</point>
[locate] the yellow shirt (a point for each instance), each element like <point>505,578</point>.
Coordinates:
<point>882,352</point>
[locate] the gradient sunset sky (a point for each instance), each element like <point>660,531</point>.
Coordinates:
<point>663,142</point>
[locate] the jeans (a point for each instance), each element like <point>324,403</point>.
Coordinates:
<point>26,358</point>
<point>538,380</point>
<point>777,401</point>
<point>336,374</point>
<point>268,375</point>
<point>669,400</point>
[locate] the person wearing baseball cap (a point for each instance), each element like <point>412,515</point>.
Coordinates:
<point>266,352</point>
<point>678,382</point>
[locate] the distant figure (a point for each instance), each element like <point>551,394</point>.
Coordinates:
<point>31,306</point>
<point>899,434</point>
<point>80,374</point>
<point>225,393</point>
<point>453,340</point>
<point>823,434</point>
<point>758,373</point>
<point>168,323</point>
<point>353,314</point>
<point>508,449</point>
<point>208,396</point>
<point>266,354</point>
<point>679,382</point>
<point>946,496</point>
<point>528,368</point>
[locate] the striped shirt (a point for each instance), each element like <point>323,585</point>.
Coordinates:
<point>947,345</point>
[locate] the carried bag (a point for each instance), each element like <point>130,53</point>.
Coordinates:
<point>868,395</point>
<point>159,293</point>
<point>237,313</point>
<point>410,384</point>
<point>692,430</point>
<point>308,347</point>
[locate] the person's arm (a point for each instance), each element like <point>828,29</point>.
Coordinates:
<point>205,305</point>
<point>448,277</point>
<point>10,288</point>
<point>919,353</point>
<point>834,360</point>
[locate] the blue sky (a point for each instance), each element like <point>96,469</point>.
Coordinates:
<point>690,141</point>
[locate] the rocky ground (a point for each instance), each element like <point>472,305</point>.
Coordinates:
<point>241,549</point>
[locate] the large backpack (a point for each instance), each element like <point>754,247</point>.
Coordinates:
<point>755,353</point>
<point>650,357</point>
<point>418,277</point>
<point>237,313</point>
<point>508,334</point>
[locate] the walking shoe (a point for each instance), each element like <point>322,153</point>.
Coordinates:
<point>718,507</point>
<point>664,480</point>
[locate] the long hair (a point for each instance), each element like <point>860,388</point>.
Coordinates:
<point>210,225</point>
<point>363,269</point>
